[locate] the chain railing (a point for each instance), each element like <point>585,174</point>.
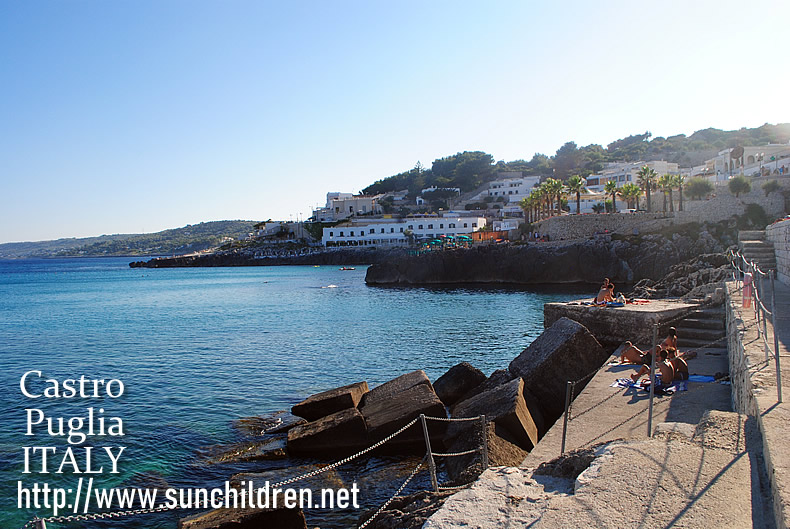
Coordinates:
<point>41,523</point>
<point>753,291</point>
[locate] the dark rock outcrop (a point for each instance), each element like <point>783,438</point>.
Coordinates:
<point>625,260</point>
<point>565,351</point>
<point>335,435</point>
<point>691,279</point>
<point>388,390</point>
<point>328,402</point>
<point>459,379</point>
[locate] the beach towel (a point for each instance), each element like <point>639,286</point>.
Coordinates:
<point>701,378</point>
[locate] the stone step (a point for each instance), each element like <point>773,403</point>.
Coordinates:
<point>707,335</point>
<point>706,314</point>
<point>691,343</point>
<point>751,235</point>
<point>702,323</point>
<point>758,249</point>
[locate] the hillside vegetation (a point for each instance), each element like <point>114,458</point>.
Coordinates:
<point>468,170</point>
<point>190,238</point>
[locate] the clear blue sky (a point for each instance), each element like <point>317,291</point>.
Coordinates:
<point>130,116</point>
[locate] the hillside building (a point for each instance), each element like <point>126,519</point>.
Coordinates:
<point>626,172</point>
<point>343,205</point>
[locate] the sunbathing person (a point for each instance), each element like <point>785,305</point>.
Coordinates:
<point>606,294</point>
<point>633,355</point>
<point>664,367</point>
<point>671,341</point>
<point>681,368</point>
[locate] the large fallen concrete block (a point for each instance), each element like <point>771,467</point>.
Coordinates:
<point>459,379</point>
<point>565,351</point>
<point>245,519</point>
<point>394,387</point>
<point>335,435</point>
<point>329,402</point>
<point>504,405</point>
<point>502,449</point>
<point>385,416</point>
<point>496,379</point>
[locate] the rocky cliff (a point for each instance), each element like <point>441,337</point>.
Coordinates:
<point>624,260</point>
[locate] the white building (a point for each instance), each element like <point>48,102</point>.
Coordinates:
<point>512,189</point>
<point>396,232</point>
<point>343,205</point>
<point>626,172</point>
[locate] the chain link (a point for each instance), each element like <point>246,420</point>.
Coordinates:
<point>400,489</point>
<point>452,419</point>
<point>464,453</point>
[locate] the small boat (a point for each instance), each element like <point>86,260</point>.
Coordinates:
<point>347,268</point>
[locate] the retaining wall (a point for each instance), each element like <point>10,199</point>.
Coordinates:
<point>779,234</point>
<point>754,393</point>
<point>721,205</point>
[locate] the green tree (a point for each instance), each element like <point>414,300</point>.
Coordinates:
<point>630,193</point>
<point>699,187</point>
<point>611,189</point>
<point>680,181</point>
<point>770,187</point>
<point>665,184</point>
<point>599,207</point>
<point>646,177</point>
<point>739,184</point>
<point>578,185</point>
<point>567,160</point>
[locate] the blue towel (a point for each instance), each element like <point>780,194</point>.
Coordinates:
<point>701,378</point>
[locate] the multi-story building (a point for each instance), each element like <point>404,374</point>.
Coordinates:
<point>399,232</point>
<point>626,172</point>
<point>343,205</point>
<point>513,189</point>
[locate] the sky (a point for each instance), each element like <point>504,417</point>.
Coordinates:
<point>137,116</point>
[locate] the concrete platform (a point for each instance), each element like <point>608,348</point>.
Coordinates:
<point>613,325</point>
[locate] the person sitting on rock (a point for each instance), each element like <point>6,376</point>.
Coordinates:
<point>679,364</point>
<point>631,354</point>
<point>664,367</point>
<point>606,292</point>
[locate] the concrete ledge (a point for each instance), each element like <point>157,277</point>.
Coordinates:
<point>613,325</point>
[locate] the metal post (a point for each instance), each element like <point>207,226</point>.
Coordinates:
<point>431,463</point>
<point>39,524</point>
<point>568,388</point>
<point>652,381</point>
<point>776,338</point>
<point>484,454</point>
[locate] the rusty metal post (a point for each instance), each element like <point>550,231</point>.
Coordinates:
<point>431,463</point>
<point>568,388</point>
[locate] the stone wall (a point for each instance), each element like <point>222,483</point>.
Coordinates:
<point>779,234</point>
<point>721,205</point>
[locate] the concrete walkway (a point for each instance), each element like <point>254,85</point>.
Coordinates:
<point>706,465</point>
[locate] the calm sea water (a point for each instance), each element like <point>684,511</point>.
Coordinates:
<point>198,348</point>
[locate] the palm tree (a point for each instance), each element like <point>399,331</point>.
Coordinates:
<point>665,185</point>
<point>680,181</point>
<point>577,184</point>
<point>611,188</point>
<point>631,192</point>
<point>647,181</point>
<point>526,207</point>
<point>599,207</point>
<point>555,188</point>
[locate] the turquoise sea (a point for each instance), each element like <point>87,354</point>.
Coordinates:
<point>198,348</point>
